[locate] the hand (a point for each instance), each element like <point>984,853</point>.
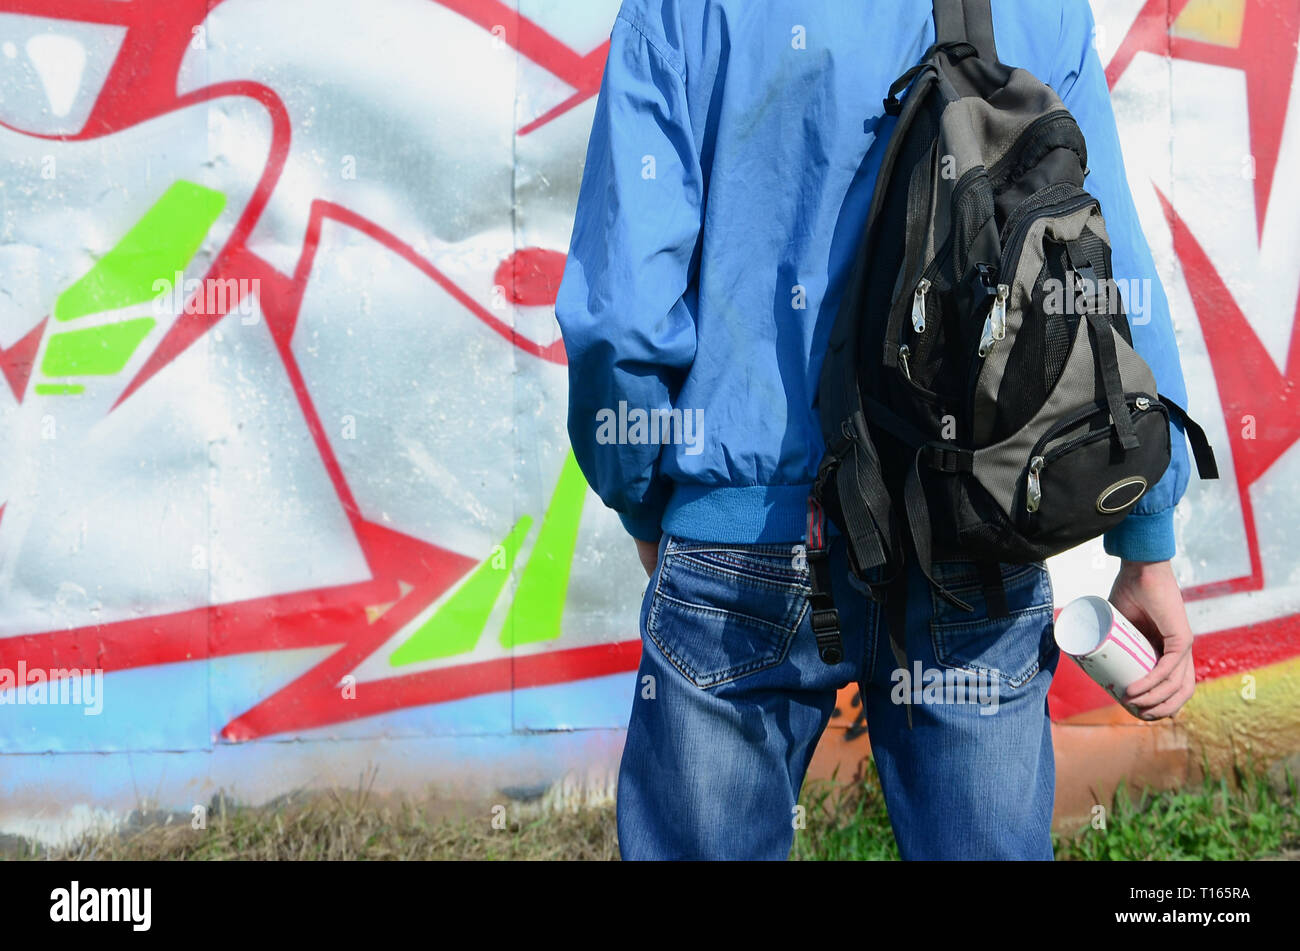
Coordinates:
<point>1147,594</point>
<point>649,555</point>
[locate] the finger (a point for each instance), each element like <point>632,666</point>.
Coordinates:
<point>1166,677</point>
<point>1150,709</point>
<point>1164,670</point>
<point>1158,697</point>
<point>1172,705</point>
<point>1189,687</point>
<point>1171,662</point>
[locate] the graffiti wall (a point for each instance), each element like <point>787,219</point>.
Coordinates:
<point>286,493</point>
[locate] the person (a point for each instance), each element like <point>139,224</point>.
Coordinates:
<point>732,157</point>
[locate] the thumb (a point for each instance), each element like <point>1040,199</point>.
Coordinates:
<point>1123,601</point>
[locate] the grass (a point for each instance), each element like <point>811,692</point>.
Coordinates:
<point>339,828</point>
<point>348,825</point>
<point>1248,818</point>
<point>845,821</point>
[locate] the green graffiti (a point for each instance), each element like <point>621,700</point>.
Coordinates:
<point>538,604</point>
<point>95,351</point>
<point>456,626</point>
<point>59,389</point>
<point>160,244</point>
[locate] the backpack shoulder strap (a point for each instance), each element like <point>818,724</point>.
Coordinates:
<point>968,20</point>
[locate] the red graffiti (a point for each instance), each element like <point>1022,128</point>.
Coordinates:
<point>410,574</point>
<point>141,86</point>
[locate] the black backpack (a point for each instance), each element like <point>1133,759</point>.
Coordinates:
<point>981,398</point>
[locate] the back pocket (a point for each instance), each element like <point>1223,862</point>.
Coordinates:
<point>720,612</point>
<point>1012,648</point>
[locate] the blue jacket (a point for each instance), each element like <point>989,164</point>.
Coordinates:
<point>726,185</point>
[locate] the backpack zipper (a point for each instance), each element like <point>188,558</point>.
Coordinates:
<point>1034,484</point>
<point>1015,233</point>
<point>1017,228</point>
<point>918,305</point>
<point>1141,401</point>
<point>1033,481</point>
<point>959,192</point>
<point>1031,133</point>
<point>995,324</point>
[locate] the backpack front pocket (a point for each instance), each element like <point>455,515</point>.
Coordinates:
<point>1007,379</point>
<point>1078,483</point>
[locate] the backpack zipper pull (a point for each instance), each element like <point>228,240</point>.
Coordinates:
<point>903,353</point>
<point>1034,490</point>
<point>999,313</point>
<point>918,305</point>
<point>987,337</point>
<point>995,324</point>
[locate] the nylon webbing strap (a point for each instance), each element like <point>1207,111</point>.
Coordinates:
<point>1103,345</point>
<point>1206,465</point>
<point>1090,250</point>
<point>825,618</point>
<point>906,432</point>
<point>995,593</point>
<point>894,105</point>
<point>970,20</point>
<point>896,621</point>
<point>949,459</point>
<point>864,504</point>
<point>918,523</point>
<point>1103,342</point>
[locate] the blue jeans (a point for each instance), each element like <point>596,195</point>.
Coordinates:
<point>732,697</point>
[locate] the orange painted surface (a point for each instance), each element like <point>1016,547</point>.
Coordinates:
<point>1250,716</point>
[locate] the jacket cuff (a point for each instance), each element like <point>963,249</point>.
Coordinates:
<point>643,527</point>
<point>1143,537</point>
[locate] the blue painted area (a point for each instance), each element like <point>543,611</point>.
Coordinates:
<point>242,681</point>
<point>168,710</point>
<point>201,697</point>
<point>487,714</point>
<point>164,707</point>
<point>580,705</point>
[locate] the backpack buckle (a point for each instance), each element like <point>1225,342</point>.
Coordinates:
<point>949,459</point>
<point>826,629</point>
<point>1088,285</point>
<point>982,281</point>
<point>825,618</point>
